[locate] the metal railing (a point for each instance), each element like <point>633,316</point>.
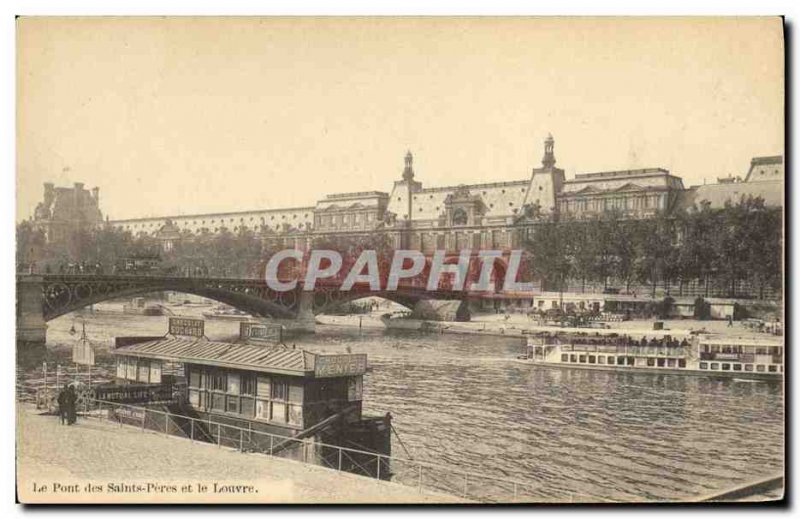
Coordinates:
<point>422,475</point>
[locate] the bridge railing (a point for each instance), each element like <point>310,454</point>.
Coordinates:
<point>422,475</point>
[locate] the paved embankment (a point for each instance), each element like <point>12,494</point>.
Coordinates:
<point>116,459</point>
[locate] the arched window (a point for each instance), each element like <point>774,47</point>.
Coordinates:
<point>459,217</point>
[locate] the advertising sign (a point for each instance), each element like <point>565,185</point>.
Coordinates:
<point>272,333</point>
<point>186,326</point>
<point>327,366</point>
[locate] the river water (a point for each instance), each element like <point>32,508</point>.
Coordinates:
<point>464,401</point>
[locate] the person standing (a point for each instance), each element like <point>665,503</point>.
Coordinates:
<point>62,405</point>
<point>71,400</point>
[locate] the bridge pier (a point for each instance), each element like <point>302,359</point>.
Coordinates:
<point>31,326</point>
<point>305,322</point>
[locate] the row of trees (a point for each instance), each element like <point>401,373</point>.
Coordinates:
<point>739,242</point>
<point>219,254</point>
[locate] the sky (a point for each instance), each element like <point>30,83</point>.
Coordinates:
<point>171,116</point>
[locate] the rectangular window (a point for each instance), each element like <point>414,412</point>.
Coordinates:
<point>573,358</point>
<point>234,381</point>
<point>620,361</point>
<point>130,369</point>
<point>611,360</point>
<point>194,377</point>
<point>155,372</point>
<point>582,358</point>
<point>773,368</point>
<point>278,412</point>
<point>262,409</point>
<point>232,405</point>
<point>760,368</point>
<point>217,402</point>
<point>296,415</point>
<point>218,381</point>
<point>726,366</point>
<point>631,360</point>
<point>601,359</point>
<point>748,367</point>
<point>592,359</point>
<point>121,367</point>
<point>660,363</point>
<point>248,384</point>
<point>651,362</point>
<point>714,365</point>
<point>296,393</point>
<point>280,390</point>
<point>194,398</point>
<point>355,389</point>
<point>144,371</point>
<point>704,365</point>
<point>564,357</point>
<point>263,387</point>
<point>681,363</point>
<point>737,367</point>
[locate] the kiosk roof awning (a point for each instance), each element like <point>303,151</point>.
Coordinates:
<point>270,359</point>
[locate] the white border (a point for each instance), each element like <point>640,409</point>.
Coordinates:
<point>315,7</point>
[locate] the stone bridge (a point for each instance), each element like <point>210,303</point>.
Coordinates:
<point>41,298</point>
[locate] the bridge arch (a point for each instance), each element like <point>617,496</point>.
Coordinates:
<point>64,296</point>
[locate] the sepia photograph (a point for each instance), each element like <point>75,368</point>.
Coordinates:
<point>458,260</point>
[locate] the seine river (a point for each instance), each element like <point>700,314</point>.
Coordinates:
<point>464,401</point>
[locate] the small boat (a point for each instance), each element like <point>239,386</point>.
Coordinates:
<point>137,306</point>
<point>227,314</point>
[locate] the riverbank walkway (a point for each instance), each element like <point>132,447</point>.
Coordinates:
<point>127,465</point>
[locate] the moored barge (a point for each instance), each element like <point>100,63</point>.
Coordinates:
<point>262,392</point>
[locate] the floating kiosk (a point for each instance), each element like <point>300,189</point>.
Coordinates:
<point>656,351</point>
<point>261,385</point>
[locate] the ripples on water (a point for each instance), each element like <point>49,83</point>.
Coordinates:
<point>465,401</point>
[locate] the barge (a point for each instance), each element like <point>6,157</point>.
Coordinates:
<point>259,384</point>
<point>657,351</point>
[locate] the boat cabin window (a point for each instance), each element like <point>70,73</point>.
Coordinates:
<point>714,365</point>
<point>760,368</point>
<point>681,363</point>
<point>726,366</point>
<point>573,358</point>
<point>737,367</point>
<point>592,359</point>
<point>620,361</point>
<point>748,367</point>
<point>704,365</point>
<point>630,361</point>
<point>773,368</point>
<point>564,357</point>
<point>611,360</point>
<point>601,359</point>
<point>660,363</point>
<point>651,361</point>
<point>582,358</point>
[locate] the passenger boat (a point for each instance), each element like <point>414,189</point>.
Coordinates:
<point>657,351</point>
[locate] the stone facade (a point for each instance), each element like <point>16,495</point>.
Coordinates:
<point>490,215</point>
<point>64,211</point>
